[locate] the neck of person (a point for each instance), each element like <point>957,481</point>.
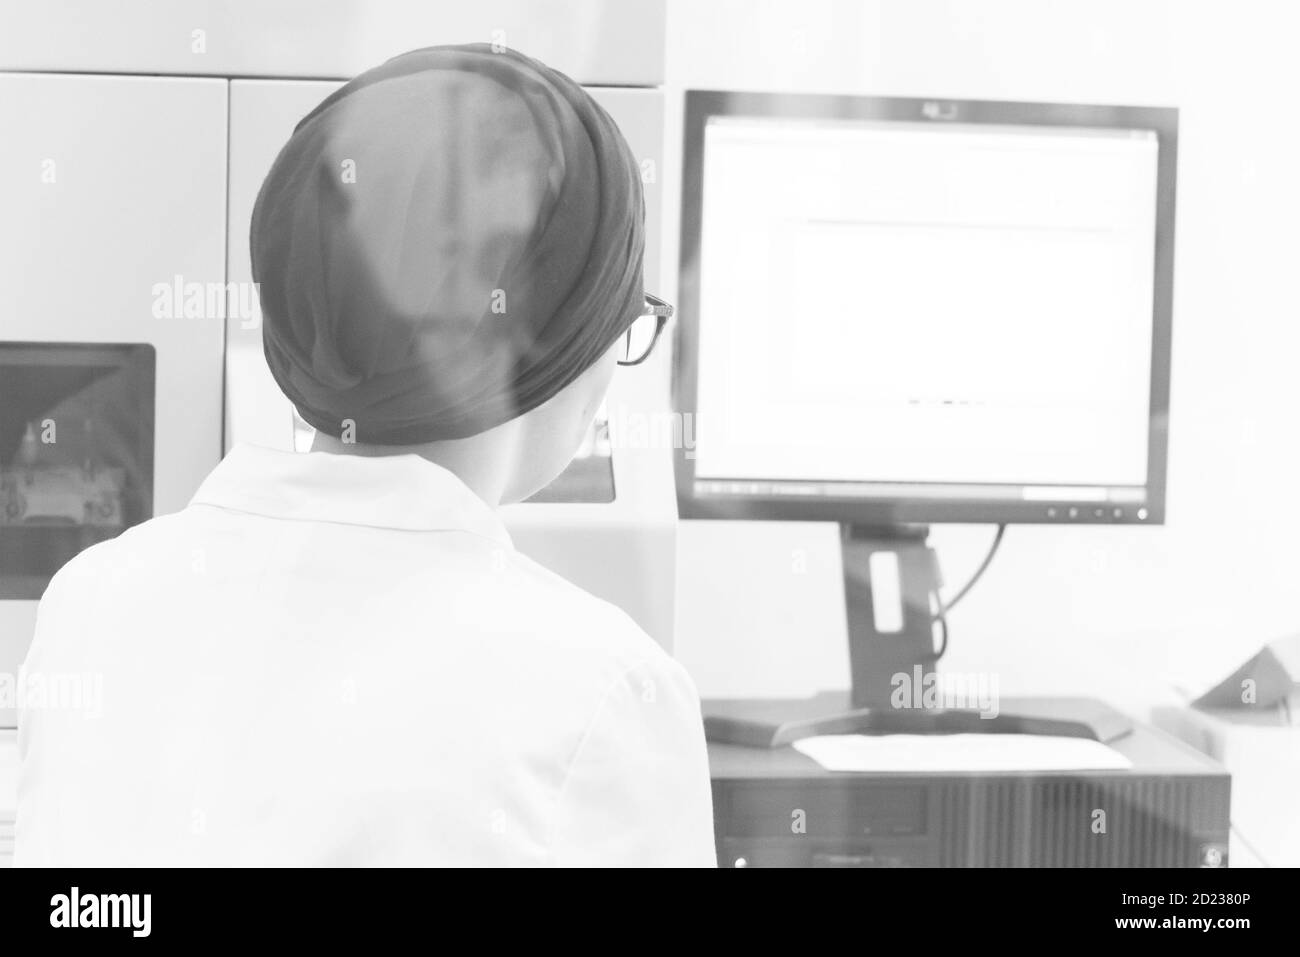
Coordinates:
<point>483,462</point>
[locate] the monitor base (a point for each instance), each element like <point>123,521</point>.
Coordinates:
<point>891,590</point>
<point>775,723</point>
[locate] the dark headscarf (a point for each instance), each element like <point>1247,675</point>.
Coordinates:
<point>444,244</point>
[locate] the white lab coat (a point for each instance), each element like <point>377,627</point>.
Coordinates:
<point>339,660</point>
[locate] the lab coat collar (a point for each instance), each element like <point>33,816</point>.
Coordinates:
<point>403,492</point>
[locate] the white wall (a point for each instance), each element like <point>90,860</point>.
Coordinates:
<point>1099,611</point>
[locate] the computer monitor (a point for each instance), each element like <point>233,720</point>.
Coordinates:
<point>902,311</point>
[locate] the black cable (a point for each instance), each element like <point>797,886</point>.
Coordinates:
<point>945,607</point>
<point>943,627</point>
<point>940,616</point>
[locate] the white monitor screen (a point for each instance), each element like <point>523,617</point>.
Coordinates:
<point>897,302</point>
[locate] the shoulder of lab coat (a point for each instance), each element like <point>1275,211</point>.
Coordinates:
<point>634,784</point>
<point>637,790</point>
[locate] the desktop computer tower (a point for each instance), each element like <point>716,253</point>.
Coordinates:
<point>777,808</point>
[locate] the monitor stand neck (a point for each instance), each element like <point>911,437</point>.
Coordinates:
<point>890,620</point>
<point>892,657</point>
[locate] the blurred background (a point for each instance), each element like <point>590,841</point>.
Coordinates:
<point>751,608</point>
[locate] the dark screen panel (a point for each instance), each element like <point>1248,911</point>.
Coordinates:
<point>76,453</point>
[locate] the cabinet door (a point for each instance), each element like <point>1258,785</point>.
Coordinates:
<point>615,42</point>
<point>263,114</point>
<point>114,197</point>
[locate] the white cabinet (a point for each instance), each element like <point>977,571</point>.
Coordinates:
<point>612,42</point>
<point>112,187</point>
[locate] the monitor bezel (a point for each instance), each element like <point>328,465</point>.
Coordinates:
<point>701,105</point>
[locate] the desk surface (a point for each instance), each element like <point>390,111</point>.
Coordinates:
<point>1152,751</point>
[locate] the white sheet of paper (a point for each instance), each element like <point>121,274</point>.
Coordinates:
<point>959,752</point>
